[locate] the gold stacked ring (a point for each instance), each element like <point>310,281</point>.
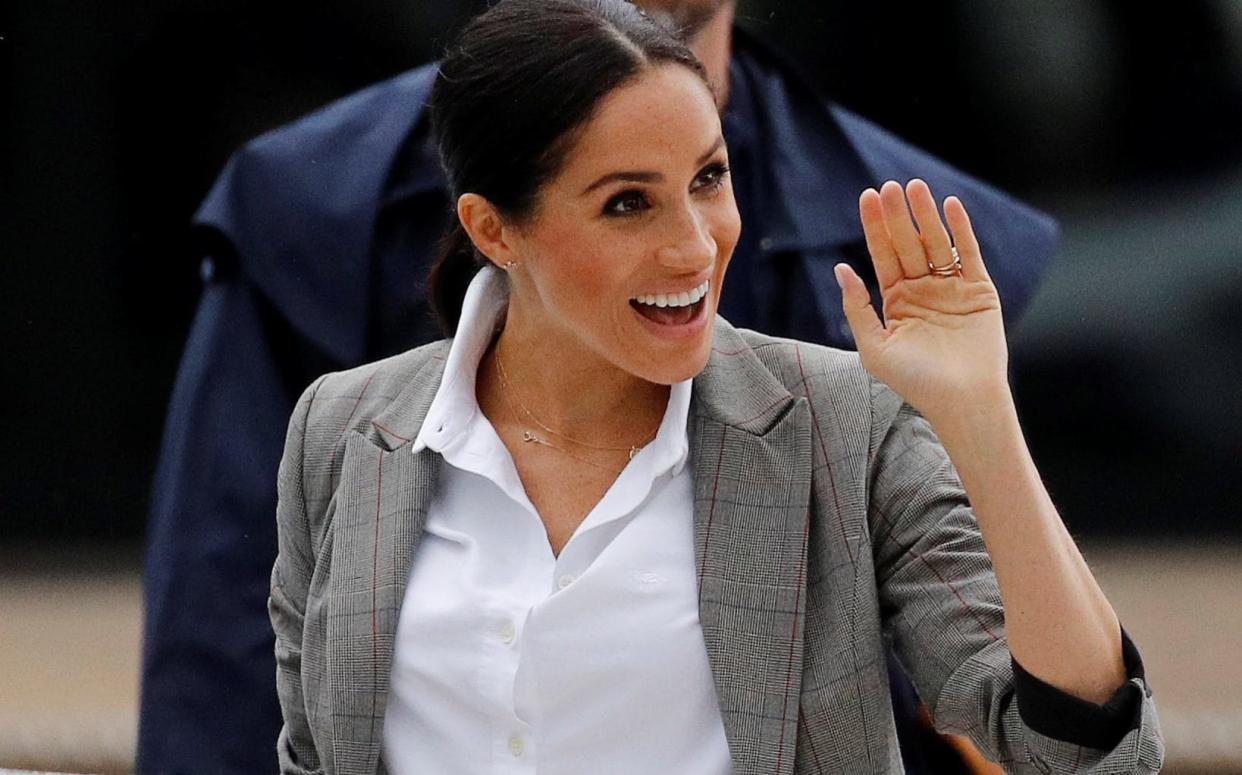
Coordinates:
<point>952,269</point>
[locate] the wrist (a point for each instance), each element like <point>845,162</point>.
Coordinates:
<point>984,408</point>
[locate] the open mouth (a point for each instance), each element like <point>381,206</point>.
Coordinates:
<point>673,309</point>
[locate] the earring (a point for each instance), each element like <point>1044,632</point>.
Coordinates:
<point>510,264</point>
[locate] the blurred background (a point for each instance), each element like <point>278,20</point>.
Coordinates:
<point>1124,120</point>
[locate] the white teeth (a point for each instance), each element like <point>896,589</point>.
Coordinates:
<point>684,299</point>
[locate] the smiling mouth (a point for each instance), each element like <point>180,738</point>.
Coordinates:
<point>673,309</point>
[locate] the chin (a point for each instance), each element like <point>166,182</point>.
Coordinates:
<point>670,348</point>
<point>678,365</point>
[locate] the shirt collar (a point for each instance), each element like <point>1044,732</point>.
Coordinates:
<point>455,405</point>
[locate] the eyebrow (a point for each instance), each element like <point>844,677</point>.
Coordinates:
<point>642,176</point>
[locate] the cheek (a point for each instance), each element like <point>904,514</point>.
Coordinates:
<point>580,267</point>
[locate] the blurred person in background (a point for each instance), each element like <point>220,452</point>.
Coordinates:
<point>696,570</point>
<point>319,238</point>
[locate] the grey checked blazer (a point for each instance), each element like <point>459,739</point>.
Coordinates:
<point>827,518</point>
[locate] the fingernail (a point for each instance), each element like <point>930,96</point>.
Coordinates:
<point>837,272</point>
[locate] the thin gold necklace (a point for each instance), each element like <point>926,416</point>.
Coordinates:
<point>529,437</point>
<point>532,438</point>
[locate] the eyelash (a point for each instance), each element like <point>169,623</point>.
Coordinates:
<point>719,169</point>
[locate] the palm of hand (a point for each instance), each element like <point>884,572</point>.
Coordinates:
<point>942,339</point>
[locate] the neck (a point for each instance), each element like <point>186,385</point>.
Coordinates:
<point>576,393</point>
<point>713,45</point>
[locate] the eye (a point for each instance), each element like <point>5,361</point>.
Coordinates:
<point>712,177</point>
<point>629,202</point>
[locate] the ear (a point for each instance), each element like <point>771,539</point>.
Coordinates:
<point>487,229</point>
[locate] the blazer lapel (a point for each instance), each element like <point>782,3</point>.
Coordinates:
<point>382,505</point>
<point>752,470</point>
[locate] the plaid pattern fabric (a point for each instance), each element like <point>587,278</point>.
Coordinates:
<point>827,519</point>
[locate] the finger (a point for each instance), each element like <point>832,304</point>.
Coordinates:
<point>964,239</point>
<point>901,230</point>
<point>883,257</point>
<point>936,243</point>
<point>865,324</point>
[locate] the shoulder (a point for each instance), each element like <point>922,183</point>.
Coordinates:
<point>841,395</point>
<point>817,371</point>
<point>303,164</point>
<point>823,141</point>
<point>783,356</point>
<point>334,131</point>
<point>295,209</point>
<point>807,119</point>
<point>891,157</point>
<point>352,399</point>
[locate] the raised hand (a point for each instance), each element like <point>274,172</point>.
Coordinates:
<point>941,345</point>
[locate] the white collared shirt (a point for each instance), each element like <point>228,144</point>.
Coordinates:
<point>511,659</point>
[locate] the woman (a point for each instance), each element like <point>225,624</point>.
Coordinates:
<point>600,530</point>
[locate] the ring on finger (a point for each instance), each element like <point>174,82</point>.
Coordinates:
<point>952,269</point>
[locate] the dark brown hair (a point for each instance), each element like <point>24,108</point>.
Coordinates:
<point>509,98</point>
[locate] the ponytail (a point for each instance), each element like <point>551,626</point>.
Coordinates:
<point>450,276</point>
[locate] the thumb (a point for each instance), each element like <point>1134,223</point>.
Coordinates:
<point>868,331</point>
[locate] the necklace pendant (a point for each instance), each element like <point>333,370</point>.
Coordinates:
<point>529,437</point>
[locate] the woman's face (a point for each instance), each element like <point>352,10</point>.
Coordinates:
<point>640,221</point>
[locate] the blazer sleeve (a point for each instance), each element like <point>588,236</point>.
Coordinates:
<point>942,611</point>
<point>291,578</point>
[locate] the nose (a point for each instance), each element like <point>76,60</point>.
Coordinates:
<point>691,245</point>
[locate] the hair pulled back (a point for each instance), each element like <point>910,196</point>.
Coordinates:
<point>509,98</point>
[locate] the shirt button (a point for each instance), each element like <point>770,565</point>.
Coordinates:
<point>564,581</point>
<point>766,244</point>
<point>515,745</point>
<point>507,632</point>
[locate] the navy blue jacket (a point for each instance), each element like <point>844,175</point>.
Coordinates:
<point>317,238</point>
